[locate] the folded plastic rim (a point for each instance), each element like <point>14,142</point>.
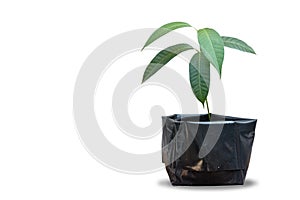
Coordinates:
<point>203,119</point>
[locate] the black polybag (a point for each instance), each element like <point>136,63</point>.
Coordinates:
<point>197,151</point>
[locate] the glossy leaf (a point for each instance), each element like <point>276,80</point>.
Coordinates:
<point>163,57</point>
<point>238,44</point>
<point>164,30</point>
<point>212,46</point>
<point>199,69</point>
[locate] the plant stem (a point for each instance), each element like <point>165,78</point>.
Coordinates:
<point>207,107</point>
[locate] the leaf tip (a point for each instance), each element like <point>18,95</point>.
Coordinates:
<point>220,74</point>
<point>144,79</point>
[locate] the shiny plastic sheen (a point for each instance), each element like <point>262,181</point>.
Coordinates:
<point>191,159</point>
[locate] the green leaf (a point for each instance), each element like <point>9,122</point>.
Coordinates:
<point>238,44</point>
<point>200,76</point>
<point>163,57</point>
<point>212,46</point>
<point>164,30</point>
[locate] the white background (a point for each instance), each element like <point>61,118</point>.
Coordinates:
<point>42,47</point>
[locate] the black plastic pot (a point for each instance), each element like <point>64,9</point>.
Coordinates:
<point>197,151</point>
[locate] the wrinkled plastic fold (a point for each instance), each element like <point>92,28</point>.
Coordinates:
<point>197,151</point>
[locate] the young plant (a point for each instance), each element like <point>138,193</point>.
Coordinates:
<point>211,51</point>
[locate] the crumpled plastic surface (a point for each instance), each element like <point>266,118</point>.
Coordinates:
<point>197,151</point>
